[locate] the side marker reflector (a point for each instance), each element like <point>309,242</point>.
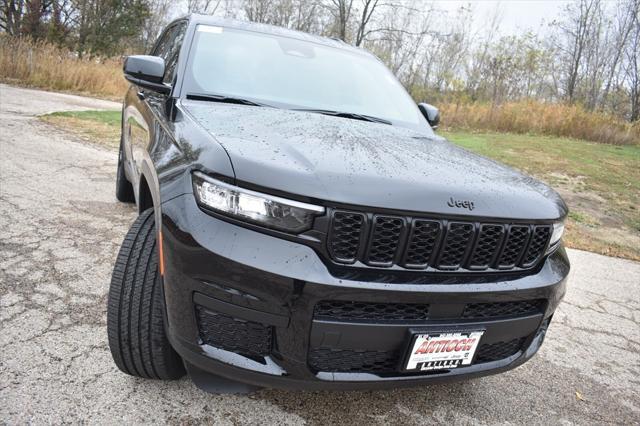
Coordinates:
<point>160,254</point>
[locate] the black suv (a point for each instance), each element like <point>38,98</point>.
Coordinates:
<point>302,226</point>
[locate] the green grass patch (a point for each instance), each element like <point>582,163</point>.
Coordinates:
<point>582,218</point>
<point>102,127</point>
<point>111,118</point>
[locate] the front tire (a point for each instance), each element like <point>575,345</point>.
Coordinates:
<point>124,189</point>
<point>135,316</point>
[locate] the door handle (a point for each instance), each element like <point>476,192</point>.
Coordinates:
<point>140,95</point>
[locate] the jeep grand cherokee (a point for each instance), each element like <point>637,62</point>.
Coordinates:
<point>302,226</point>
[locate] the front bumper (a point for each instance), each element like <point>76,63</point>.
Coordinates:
<point>240,304</point>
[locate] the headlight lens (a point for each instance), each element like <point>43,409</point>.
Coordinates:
<point>556,235</point>
<point>262,209</point>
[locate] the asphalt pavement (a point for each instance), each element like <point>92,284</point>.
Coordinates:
<point>60,230</point>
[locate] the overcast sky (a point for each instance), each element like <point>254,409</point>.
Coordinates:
<point>517,15</point>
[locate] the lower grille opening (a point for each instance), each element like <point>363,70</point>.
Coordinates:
<point>499,350</point>
<point>353,361</point>
<point>504,309</point>
<point>341,310</point>
<point>247,338</point>
<point>388,362</point>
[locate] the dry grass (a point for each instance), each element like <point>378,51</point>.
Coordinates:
<point>43,65</point>
<point>541,119</point>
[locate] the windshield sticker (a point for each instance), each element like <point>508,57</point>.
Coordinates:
<point>209,29</point>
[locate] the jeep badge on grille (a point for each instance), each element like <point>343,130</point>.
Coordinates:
<point>463,204</point>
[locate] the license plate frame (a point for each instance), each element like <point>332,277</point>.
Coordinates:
<point>427,350</point>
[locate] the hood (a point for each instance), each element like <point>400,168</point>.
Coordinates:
<point>354,162</point>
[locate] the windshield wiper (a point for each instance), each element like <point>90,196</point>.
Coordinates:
<point>222,99</point>
<point>351,115</point>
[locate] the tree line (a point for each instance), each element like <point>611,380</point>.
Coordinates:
<point>587,55</point>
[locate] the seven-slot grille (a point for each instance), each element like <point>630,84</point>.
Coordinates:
<point>412,243</point>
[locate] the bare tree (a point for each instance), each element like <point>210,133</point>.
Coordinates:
<point>632,72</point>
<point>479,57</point>
<point>368,9</point>
<point>308,16</point>
<point>577,29</point>
<point>20,17</point>
<point>625,22</point>
<point>341,12</point>
<point>258,10</point>
<point>11,15</point>
<point>207,7</point>
<point>155,22</point>
<point>596,57</point>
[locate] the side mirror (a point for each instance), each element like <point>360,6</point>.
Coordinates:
<point>431,113</point>
<point>146,71</point>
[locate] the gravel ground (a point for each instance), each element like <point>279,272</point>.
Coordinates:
<point>60,229</point>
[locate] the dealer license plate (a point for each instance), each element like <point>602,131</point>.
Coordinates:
<point>437,351</point>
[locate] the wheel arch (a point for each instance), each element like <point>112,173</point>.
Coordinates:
<point>149,191</point>
<point>145,196</point>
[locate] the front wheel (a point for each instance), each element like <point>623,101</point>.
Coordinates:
<point>135,318</point>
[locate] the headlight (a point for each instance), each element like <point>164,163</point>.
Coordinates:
<point>556,235</point>
<point>262,209</point>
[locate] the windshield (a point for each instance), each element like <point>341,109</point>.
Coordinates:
<point>290,73</point>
